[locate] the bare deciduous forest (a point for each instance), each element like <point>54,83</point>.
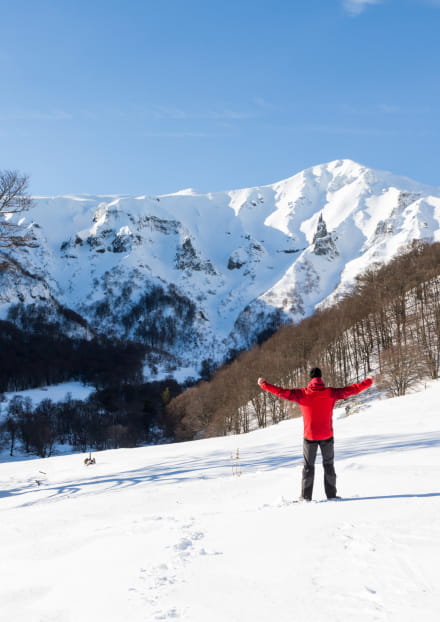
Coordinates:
<point>389,326</point>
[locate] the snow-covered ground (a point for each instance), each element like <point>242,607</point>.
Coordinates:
<point>55,393</point>
<point>169,532</point>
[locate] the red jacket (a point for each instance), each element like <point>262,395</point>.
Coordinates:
<point>316,403</point>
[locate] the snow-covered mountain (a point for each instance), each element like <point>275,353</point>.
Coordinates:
<point>198,275</point>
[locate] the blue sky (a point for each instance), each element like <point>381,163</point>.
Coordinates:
<point>152,96</point>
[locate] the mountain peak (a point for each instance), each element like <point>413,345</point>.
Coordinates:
<point>185,192</point>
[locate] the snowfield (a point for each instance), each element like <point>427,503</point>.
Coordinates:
<point>55,393</point>
<point>171,533</point>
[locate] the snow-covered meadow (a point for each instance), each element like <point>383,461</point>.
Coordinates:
<point>55,393</point>
<point>186,532</point>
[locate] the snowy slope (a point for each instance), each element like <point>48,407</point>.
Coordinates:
<point>169,533</point>
<point>55,393</point>
<point>200,274</point>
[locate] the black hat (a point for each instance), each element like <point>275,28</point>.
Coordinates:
<point>315,373</point>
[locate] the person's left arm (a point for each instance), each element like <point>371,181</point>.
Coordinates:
<point>352,389</point>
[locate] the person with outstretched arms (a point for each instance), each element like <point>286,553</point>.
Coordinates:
<point>316,402</point>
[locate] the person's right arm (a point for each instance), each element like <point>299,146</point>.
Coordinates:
<point>286,394</point>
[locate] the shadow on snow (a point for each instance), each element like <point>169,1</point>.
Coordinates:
<point>218,464</point>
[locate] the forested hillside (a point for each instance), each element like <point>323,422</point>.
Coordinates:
<point>124,410</point>
<point>389,325</point>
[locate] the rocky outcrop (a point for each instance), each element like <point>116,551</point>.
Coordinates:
<point>323,241</point>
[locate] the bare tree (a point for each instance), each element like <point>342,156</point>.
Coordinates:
<point>14,199</point>
<point>403,367</point>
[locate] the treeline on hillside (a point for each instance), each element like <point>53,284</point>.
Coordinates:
<point>123,412</point>
<point>46,356</point>
<point>390,324</point>
<point>124,416</point>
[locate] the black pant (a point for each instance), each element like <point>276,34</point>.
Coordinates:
<point>328,456</point>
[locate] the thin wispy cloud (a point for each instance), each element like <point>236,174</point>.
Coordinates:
<point>175,113</point>
<point>356,131</point>
<point>264,105</point>
<point>383,109</point>
<point>355,7</point>
<point>152,113</point>
<point>36,115</point>
<point>371,109</point>
<point>183,134</point>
